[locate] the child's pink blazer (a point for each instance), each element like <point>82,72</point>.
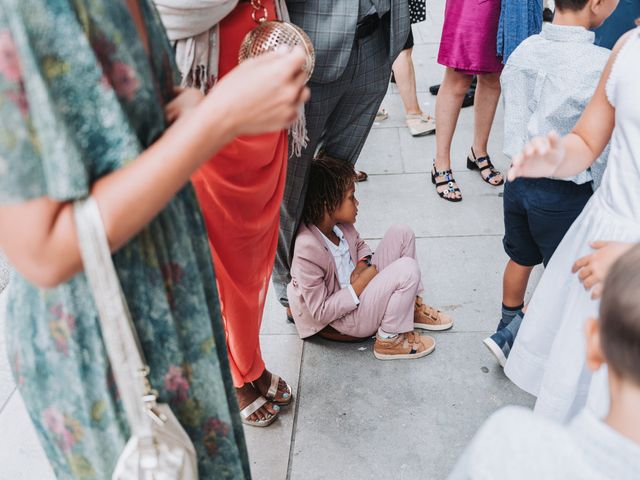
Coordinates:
<point>315,296</point>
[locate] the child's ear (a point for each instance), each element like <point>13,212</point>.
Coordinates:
<point>595,355</point>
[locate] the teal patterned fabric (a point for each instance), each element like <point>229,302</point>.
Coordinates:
<point>79,98</point>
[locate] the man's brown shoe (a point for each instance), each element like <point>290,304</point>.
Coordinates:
<point>290,315</point>
<point>403,346</point>
<point>429,318</point>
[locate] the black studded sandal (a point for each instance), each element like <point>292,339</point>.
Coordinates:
<point>474,164</point>
<point>449,181</point>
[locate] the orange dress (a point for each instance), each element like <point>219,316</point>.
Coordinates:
<point>240,190</point>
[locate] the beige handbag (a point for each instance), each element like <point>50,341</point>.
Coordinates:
<point>159,448</point>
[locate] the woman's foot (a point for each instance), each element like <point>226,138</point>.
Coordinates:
<point>382,115</point>
<point>420,124</point>
<point>273,388</point>
<point>264,412</point>
<point>487,171</point>
<point>446,185</point>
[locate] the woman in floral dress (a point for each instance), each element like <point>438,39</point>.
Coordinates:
<point>83,89</point>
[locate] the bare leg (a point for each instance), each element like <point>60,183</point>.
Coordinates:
<point>406,81</point>
<point>448,104</point>
<point>514,283</point>
<point>486,102</point>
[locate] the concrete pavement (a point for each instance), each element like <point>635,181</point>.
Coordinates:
<point>355,417</point>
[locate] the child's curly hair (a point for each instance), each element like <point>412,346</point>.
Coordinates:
<point>329,180</point>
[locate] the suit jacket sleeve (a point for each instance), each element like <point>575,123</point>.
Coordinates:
<point>362,248</point>
<point>324,307</point>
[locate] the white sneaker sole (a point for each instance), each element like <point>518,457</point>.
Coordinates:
<point>433,328</point>
<point>404,356</point>
<point>496,351</point>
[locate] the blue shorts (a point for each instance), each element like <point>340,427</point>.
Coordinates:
<point>537,214</point>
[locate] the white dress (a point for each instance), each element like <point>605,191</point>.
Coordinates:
<point>548,358</point>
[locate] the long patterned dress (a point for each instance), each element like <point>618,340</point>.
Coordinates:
<point>240,190</point>
<point>79,98</point>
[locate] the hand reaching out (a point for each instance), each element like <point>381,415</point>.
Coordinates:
<point>592,269</point>
<point>186,99</point>
<point>539,158</point>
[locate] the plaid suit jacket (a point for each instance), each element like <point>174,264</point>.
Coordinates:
<point>331,26</point>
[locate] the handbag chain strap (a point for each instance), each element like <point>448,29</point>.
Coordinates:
<point>259,14</point>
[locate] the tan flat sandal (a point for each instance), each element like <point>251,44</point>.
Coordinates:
<point>252,408</point>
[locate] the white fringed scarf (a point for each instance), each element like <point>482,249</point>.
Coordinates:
<point>192,28</point>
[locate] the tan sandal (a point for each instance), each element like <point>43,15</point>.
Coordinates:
<point>426,317</point>
<point>273,391</point>
<point>252,408</point>
<point>420,125</point>
<point>382,115</point>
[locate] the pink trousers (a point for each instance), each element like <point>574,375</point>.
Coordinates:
<point>388,301</point>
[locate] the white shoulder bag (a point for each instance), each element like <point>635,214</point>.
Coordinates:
<point>159,448</point>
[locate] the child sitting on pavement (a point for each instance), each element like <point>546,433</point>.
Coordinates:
<point>338,282</point>
<point>516,443</point>
<point>546,83</point>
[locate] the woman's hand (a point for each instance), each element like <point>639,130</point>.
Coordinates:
<point>186,100</point>
<point>592,269</point>
<point>539,158</point>
<point>262,94</point>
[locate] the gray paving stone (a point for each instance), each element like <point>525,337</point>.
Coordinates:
<point>274,320</point>
<point>381,154</point>
<point>7,385</point>
<point>430,31</point>
<point>362,418</point>
<point>21,456</point>
<point>269,447</point>
<point>418,153</point>
<point>411,199</point>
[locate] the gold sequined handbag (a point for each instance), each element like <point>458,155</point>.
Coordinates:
<point>271,34</point>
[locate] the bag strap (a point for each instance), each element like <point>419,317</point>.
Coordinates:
<point>118,332</point>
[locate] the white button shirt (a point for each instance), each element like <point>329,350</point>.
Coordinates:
<point>344,263</point>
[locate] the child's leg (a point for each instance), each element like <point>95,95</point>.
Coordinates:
<point>519,244</point>
<point>387,302</point>
<point>514,285</point>
<point>399,241</point>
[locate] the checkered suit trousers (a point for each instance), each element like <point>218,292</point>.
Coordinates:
<point>339,117</point>
<point>331,26</point>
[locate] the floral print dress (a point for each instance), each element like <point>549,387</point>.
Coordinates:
<point>79,98</point>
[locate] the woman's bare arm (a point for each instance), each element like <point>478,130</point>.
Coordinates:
<point>553,157</point>
<point>261,95</point>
